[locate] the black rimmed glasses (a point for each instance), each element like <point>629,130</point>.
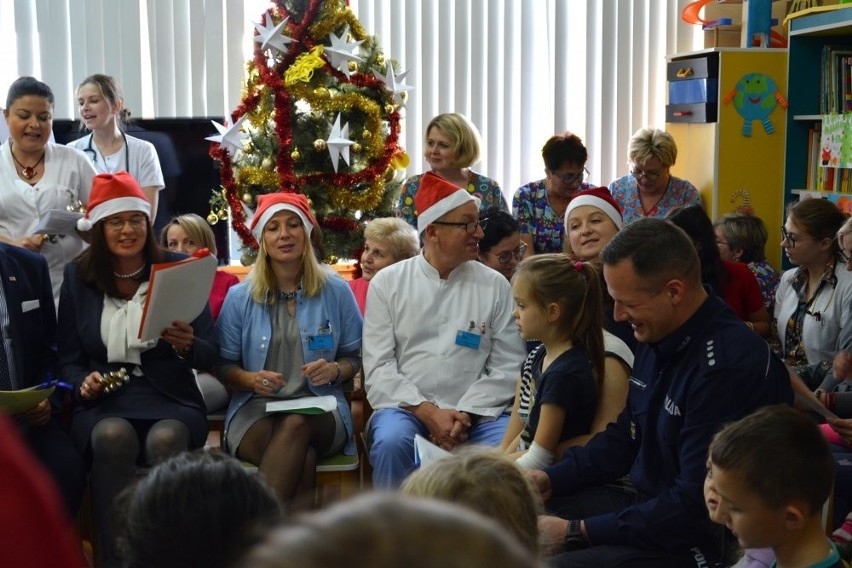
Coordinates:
<point>791,239</point>
<point>570,179</point>
<point>470,226</point>
<point>506,257</point>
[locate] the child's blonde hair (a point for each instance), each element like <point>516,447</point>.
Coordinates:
<point>464,478</point>
<point>576,288</point>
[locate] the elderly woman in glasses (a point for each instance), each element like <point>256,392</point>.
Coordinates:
<point>650,190</point>
<point>812,302</point>
<point>501,248</point>
<point>539,206</point>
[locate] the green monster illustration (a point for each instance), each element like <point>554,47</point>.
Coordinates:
<point>755,97</point>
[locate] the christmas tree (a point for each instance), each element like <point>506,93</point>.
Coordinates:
<point>319,115</point>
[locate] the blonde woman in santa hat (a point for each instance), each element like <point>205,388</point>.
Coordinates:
<point>291,330</point>
<point>159,411</point>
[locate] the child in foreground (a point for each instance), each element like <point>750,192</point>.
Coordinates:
<point>768,476</point>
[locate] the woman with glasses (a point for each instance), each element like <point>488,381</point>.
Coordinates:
<point>539,206</point>
<point>452,146</point>
<point>501,248</point>
<point>158,410</point>
<point>37,176</point>
<point>650,190</point>
<point>387,240</point>
<point>741,237</point>
<point>812,305</point>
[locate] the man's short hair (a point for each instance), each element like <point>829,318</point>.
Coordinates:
<point>658,250</point>
<point>780,454</point>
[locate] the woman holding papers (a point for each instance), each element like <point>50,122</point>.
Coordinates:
<point>158,412</point>
<point>291,331</point>
<point>37,176</point>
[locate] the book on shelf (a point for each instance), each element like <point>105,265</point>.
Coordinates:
<point>835,79</point>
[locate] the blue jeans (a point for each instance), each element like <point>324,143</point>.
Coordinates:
<point>390,436</point>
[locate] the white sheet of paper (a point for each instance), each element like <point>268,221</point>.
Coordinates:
<point>425,452</point>
<point>304,405</point>
<point>805,396</point>
<point>58,222</point>
<point>178,291</point>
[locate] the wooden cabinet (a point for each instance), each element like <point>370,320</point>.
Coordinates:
<point>738,161</point>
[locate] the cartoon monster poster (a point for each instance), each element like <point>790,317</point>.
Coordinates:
<point>755,96</point>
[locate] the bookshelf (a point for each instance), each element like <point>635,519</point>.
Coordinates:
<point>728,168</point>
<point>807,36</point>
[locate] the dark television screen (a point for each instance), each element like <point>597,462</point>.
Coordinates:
<point>189,172</point>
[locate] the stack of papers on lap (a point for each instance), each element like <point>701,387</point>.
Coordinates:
<point>15,402</point>
<point>304,405</point>
<point>425,452</point>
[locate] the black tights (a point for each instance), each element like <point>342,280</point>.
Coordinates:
<point>284,447</point>
<point>115,453</point>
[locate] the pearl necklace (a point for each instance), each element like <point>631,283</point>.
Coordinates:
<point>133,274</point>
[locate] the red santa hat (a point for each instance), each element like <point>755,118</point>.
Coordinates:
<point>271,203</point>
<point>436,197</point>
<point>111,194</point>
<point>599,197</point>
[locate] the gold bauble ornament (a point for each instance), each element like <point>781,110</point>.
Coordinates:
<point>247,259</point>
<point>267,163</point>
<point>321,92</point>
<point>380,60</point>
<point>356,147</point>
<point>353,66</point>
<point>295,155</point>
<point>248,199</point>
<point>212,218</point>
<point>320,145</point>
<point>223,214</point>
<point>389,108</point>
<point>248,148</point>
<point>366,135</point>
<point>404,96</point>
<point>332,259</point>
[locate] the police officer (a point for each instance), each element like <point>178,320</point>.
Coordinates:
<point>697,367</point>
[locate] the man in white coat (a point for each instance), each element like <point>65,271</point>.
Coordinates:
<point>441,350</point>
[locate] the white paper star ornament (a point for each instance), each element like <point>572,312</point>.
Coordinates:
<point>338,144</point>
<point>271,36</point>
<point>394,83</point>
<point>229,137</point>
<point>342,52</point>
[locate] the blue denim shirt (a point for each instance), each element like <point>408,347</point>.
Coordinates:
<point>244,329</point>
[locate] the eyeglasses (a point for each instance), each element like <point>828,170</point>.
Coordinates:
<point>470,227</point>
<point>117,223</point>
<point>570,179</point>
<point>506,257</point>
<point>791,239</point>
<point>653,175</point>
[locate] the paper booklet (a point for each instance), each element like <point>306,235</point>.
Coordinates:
<point>177,291</point>
<point>304,405</point>
<point>806,397</point>
<point>58,222</point>
<point>15,402</point>
<point>425,452</point>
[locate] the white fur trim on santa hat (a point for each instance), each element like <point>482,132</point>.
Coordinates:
<point>112,207</point>
<point>272,210</point>
<point>444,206</point>
<point>594,201</point>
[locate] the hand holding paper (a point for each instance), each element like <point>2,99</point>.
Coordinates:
<point>806,397</point>
<point>178,291</point>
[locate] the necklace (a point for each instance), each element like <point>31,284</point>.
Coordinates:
<point>286,296</point>
<point>133,274</point>
<point>27,172</point>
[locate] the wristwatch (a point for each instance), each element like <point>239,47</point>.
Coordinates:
<point>574,539</point>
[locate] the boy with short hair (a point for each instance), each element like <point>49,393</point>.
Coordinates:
<point>768,476</point>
